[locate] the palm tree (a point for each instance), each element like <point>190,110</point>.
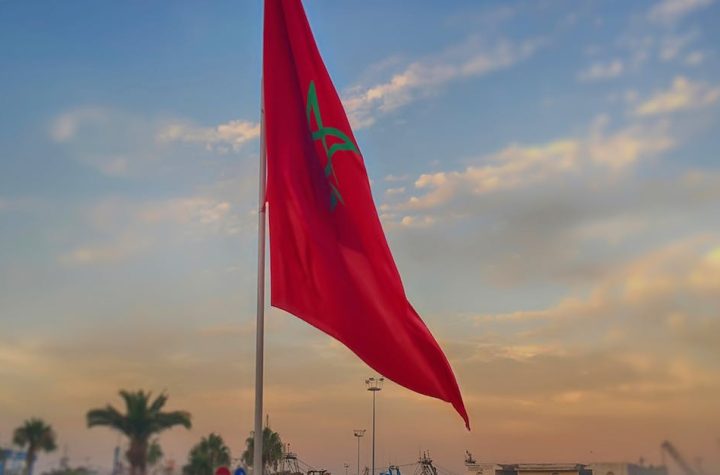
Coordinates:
<point>272,449</point>
<point>142,419</point>
<point>210,453</point>
<point>37,435</point>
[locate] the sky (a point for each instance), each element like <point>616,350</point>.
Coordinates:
<point>546,172</point>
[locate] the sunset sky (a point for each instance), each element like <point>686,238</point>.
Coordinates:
<point>547,173</point>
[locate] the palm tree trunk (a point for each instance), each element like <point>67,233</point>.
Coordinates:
<point>29,460</point>
<point>137,455</point>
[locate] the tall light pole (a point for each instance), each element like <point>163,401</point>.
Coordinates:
<point>374,385</point>
<point>358,433</point>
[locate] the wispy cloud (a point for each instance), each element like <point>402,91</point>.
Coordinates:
<point>127,229</point>
<point>80,130</point>
<point>110,141</point>
<point>600,71</point>
<point>519,166</point>
<point>673,45</point>
<point>230,136</point>
<point>417,221</point>
<point>475,58</point>
<point>389,191</point>
<point>671,11</point>
<point>200,210</point>
<point>650,316</point>
<point>120,144</point>
<point>66,126</point>
<point>652,344</point>
<point>511,167</point>
<point>683,94</point>
<point>695,58</point>
<point>546,211</point>
<point>118,249</point>
<point>395,178</point>
<point>671,286</point>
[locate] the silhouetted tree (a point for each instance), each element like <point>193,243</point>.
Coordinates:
<point>272,450</point>
<point>207,455</point>
<point>142,419</point>
<point>36,435</point>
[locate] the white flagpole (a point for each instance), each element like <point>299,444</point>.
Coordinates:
<point>260,326</point>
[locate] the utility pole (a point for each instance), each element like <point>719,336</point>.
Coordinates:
<point>374,385</point>
<point>358,433</point>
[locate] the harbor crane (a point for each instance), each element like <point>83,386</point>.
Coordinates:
<point>668,447</point>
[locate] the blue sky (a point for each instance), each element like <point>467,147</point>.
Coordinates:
<point>547,174</point>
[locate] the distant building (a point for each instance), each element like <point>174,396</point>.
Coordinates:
<point>480,468</point>
<point>533,469</point>
<point>545,469</point>
<point>474,468</point>
<point>626,469</point>
<point>12,462</point>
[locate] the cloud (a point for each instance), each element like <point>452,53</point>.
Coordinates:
<point>511,167</point>
<point>472,59</point>
<point>417,221</point>
<point>683,94</point>
<point>395,178</point>
<point>643,42</point>
<point>599,71</point>
<point>555,212</point>
<point>119,144</point>
<point>520,166</point>
<point>126,228</point>
<point>673,45</point>
<point>390,191</point>
<point>117,250</point>
<point>199,210</point>
<point>671,11</point>
<point>112,142</point>
<point>670,290</point>
<point>625,147</point>
<point>695,58</point>
<point>65,127</point>
<point>232,135</point>
<point>568,230</point>
<point>646,332</point>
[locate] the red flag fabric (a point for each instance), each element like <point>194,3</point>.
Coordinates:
<point>329,260</point>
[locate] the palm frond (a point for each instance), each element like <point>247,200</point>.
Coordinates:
<point>167,420</point>
<point>109,417</point>
<point>158,403</point>
<point>36,435</point>
<point>142,418</point>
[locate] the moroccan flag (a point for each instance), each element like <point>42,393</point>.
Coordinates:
<point>330,263</point>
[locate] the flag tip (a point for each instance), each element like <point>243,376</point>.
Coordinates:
<point>460,408</point>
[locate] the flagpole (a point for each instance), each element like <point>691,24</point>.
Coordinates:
<point>260,325</point>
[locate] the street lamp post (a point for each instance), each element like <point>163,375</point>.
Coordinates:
<point>374,385</point>
<point>358,433</point>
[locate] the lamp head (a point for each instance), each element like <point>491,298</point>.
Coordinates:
<point>374,384</point>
